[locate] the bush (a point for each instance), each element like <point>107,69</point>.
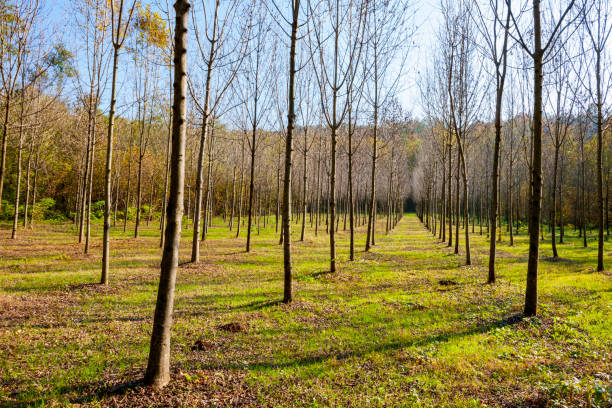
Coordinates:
<point>144,211</point>
<point>42,210</point>
<point>8,210</point>
<point>97,209</point>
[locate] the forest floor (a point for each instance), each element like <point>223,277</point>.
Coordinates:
<point>404,325</point>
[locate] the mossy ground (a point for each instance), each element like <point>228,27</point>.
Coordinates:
<point>404,325</point>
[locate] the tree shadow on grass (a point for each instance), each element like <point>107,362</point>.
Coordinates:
<point>321,273</point>
<point>89,392</point>
<point>109,391</point>
<point>560,260</point>
<point>249,307</point>
<point>258,305</point>
<point>321,357</point>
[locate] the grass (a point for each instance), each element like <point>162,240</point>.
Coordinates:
<point>405,325</point>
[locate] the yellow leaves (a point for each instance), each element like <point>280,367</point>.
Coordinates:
<point>151,27</point>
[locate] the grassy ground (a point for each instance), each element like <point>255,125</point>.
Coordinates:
<point>404,325</point>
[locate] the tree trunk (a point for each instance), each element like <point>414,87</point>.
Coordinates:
<point>553,208</point>
<point>109,158</point>
<point>208,195</point>
<point>241,185</point>
<point>350,188</point>
<point>90,181</point>
<point>138,195</point>
<point>127,192</point>
<point>449,195</point>
<point>158,367</point>
<point>304,186</point>
<point>372,215</point>
<point>600,199</point>
<point>457,209</point>
<point>286,228</point>
<point>19,156</point>
<point>531,292</point>
<point>583,201</point>
<point>86,178</point>
<point>162,221</point>
<point>231,220</point>
<point>7,107</point>
<point>28,171</point>
<point>34,187</point>
<point>251,190</point>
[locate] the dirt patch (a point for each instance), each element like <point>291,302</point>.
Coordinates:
<point>233,327</point>
<point>202,345</point>
<point>206,388</point>
<point>447,282</point>
<point>43,311</point>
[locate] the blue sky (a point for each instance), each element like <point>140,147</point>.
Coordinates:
<point>427,19</point>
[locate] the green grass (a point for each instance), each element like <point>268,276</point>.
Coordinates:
<point>381,331</point>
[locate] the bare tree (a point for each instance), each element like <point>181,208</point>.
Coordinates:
<point>293,20</point>
<point>596,15</point>
<point>539,53</point>
<point>561,104</point>
<point>14,39</point>
<point>496,49</point>
<point>341,23</point>
<point>256,94</point>
<point>119,31</point>
<point>221,55</point>
<point>387,51</point>
<point>158,367</point>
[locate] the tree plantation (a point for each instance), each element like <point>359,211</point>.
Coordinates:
<point>305,203</point>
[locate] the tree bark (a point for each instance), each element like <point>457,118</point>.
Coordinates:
<point>531,292</point>
<point>600,198</point>
<point>286,227</point>
<point>197,213</point>
<point>304,186</point>
<point>109,158</point>
<point>19,156</point>
<point>7,107</point>
<point>233,206</point>
<point>158,367</point>
<point>553,206</point>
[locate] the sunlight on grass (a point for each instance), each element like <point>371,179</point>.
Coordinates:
<point>403,325</point>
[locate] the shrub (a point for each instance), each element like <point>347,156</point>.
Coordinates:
<point>97,209</point>
<point>8,210</point>
<point>42,210</point>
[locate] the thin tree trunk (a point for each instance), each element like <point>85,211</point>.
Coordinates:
<point>251,189</point>
<point>286,228</point>
<point>109,158</point>
<point>127,192</point>
<point>7,107</point>
<point>600,199</point>
<point>231,220</point>
<point>553,207</point>
<point>28,171</point>
<point>90,181</point>
<point>372,215</point>
<point>197,213</point>
<point>158,367</point>
<point>531,292</point>
<point>304,187</point>
<point>19,156</point>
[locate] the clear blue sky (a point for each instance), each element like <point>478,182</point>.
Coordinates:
<point>427,19</point>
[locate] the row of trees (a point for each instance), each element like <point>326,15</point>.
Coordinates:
<point>516,125</point>
<point>251,135</point>
<point>279,108</point>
